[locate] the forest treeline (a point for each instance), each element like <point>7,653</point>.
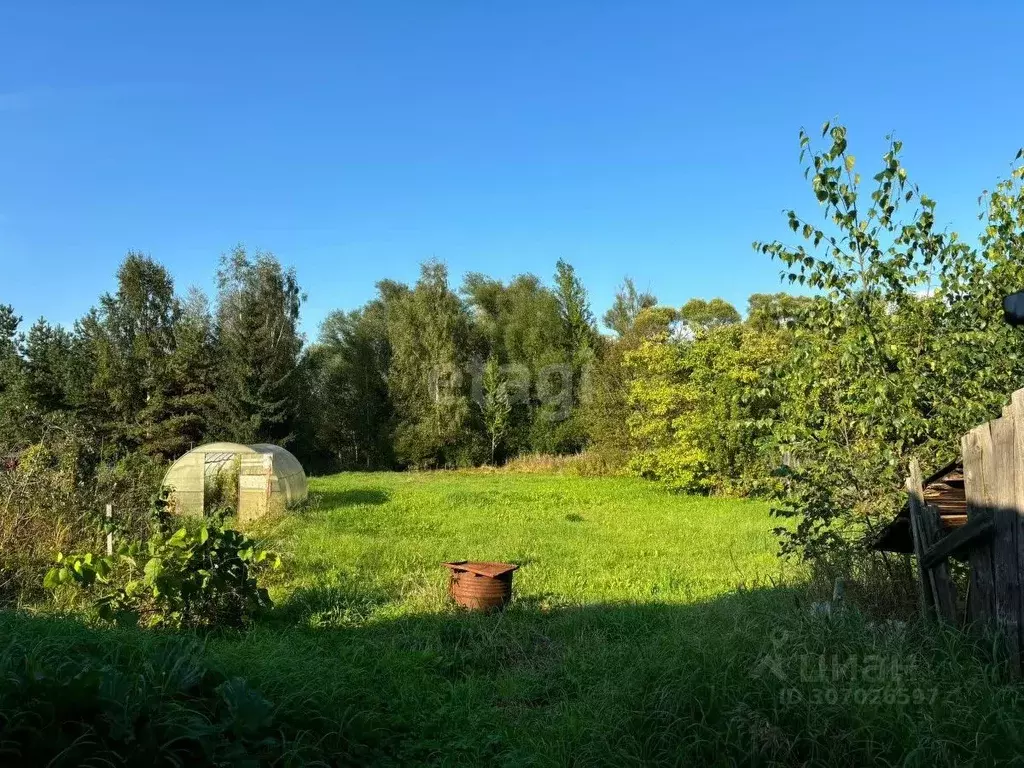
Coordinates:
<point>422,376</point>
<point>895,347</point>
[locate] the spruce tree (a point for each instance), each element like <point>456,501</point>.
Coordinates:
<point>134,341</point>
<point>13,405</point>
<point>188,399</point>
<point>258,346</point>
<point>48,363</point>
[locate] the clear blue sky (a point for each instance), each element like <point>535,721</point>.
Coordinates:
<point>354,140</point>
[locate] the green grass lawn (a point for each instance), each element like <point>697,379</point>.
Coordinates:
<point>577,541</point>
<point>646,629</point>
<point>611,570</point>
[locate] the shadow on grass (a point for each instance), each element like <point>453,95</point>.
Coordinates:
<point>326,606</point>
<point>355,497</point>
<point>754,677</point>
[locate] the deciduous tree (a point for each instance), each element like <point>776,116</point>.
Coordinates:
<point>428,330</point>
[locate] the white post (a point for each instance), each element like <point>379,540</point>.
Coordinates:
<point>110,534</point>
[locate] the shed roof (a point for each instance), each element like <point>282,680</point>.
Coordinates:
<point>943,489</point>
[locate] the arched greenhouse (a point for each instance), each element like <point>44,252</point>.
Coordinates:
<point>247,480</point>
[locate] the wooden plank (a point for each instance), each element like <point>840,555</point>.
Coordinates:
<point>960,540</point>
<point>1017,408</point>
<point>943,588</point>
<point>1001,478</point>
<point>980,604</point>
<point>110,533</point>
<point>915,492</point>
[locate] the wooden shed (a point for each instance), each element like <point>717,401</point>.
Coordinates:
<point>943,489</point>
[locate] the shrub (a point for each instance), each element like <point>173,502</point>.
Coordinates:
<point>702,405</point>
<point>199,579</point>
<point>73,696</point>
<point>52,498</point>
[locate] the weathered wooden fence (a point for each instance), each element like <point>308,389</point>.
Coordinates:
<point>992,540</point>
<point>938,595</point>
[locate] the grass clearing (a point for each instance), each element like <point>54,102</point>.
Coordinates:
<point>578,541</point>
<point>647,629</point>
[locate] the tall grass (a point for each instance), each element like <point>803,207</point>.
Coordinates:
<point>648,629</point>
<point>576,465</point>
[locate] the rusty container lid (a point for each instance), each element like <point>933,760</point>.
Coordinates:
<point>490,570</point>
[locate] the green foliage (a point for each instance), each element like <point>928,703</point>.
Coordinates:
<point>47,355</point>
<point>52,498</point>
<point>607,406</point>
<point>520,325</point>
<point>495,404</point>
<point>702,315</point>
<point>628,304</point>
<point>769,311</point>
<point>161,511</point>
<point>258,350</point>
<point>350,415</point>
<point>690,398</point>
<point>189,579</point>
<point>192,375</point>
<point>703,409</point>
<point>130,372</point>
<point>428,330</point>
<point>72,696</point>
<point>13,410</point>
<point>135,337</point>
<point>900,351</point>
<point>558,426</point>
<point>220,491</point>
<point>574,309</point>
<point>387,385</point>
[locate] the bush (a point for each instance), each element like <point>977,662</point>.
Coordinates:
<point>74,696</point>
<point>199,579</point>
<point>702,407</point>
<point>53,496</point>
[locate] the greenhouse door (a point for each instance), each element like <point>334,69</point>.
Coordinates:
<point>254,486</point>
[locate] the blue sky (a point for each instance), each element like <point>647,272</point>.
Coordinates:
<point>355,139</point>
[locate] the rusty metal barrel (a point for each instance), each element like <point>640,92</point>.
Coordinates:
<point>481,586</point>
